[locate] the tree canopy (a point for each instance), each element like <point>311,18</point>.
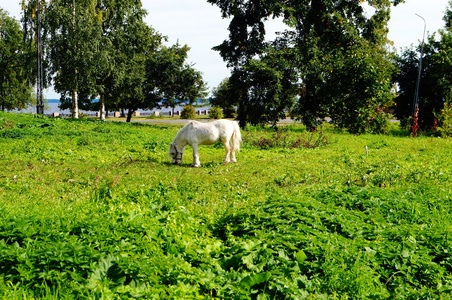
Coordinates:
<point>15,60</point>
<point>103,49</point>
<point>176,81</point>
<point>333,56</point>
<point>331,61</point>
<point>435,83</point>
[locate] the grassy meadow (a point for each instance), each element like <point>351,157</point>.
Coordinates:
<point>95,210</point>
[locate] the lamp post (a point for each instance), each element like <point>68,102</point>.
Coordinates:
<point>414,120</point>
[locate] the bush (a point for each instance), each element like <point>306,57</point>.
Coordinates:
<point>445,120</point>
<point>188,112</point>
<point>281,139</point>
<point>6,124</point>
<point>216,113</point>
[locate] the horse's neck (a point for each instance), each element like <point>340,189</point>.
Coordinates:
<point>180,142</point>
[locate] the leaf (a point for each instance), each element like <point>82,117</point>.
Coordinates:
<point>251,280</point>
<point>248,260</point>
<point>300,256</point>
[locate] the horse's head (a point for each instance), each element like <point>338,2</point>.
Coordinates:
<point>176,154</point>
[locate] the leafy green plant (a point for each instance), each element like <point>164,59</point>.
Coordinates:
<point>188,112</point>
<point>114,219</point>
<point>282,139</point>
<point>216,113</point>
<point>6,124</point>
<point>445,119</point>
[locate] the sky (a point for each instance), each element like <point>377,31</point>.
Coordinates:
<point>200,25</point>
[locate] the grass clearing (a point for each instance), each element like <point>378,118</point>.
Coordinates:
<point>95,210</point>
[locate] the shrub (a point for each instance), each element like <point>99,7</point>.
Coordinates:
<point>188,112</point>
<point>281,139</point>
<point>6,124</point>
<point>445,120</point>
<point>216,113</point>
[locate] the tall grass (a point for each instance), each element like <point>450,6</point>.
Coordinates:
<point>95,210</point>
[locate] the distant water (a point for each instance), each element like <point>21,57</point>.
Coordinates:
<point>52,107</point>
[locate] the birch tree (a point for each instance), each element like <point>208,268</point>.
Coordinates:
<point>71,28</point>
<point>15,77</point>
<point>122,25</point>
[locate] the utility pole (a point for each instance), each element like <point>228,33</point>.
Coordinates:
<point>415,113</point>
<point>40,101</point>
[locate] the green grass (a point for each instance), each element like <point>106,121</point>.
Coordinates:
<point>92,210</point>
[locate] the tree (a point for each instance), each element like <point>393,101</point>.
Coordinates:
<point>102,49</point>
<point>119,73</point>
<point>121,80</point>
<point>436,82</point>
<point>175,81</point>
<point>97,49</point>
<point>360,89</point>
<point>71,30</point>
<point>222,97</point>
<point>244,52</point>
<point>71,26</point>
<point>322,34</point>
<point>448,16</point>
<point>269,91</point>
<point>15,77</point>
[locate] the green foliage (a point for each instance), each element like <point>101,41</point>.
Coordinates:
<point>93,210</point>
<point>408,63</point>
<point>104,50</point>
<point>188,112</point>
<point>283,139</point>
<point>269,91</point>
<point>348,73</point>
<point>216,113</point>
<point>359,102</point>
<point>333,56</point>
<point>445,119</point>
<point>222,96</point>
<point>15,76</point>
<point>177,81</point>
<point>436,70</point>
<point>6,124</point>
<point>448,16</point>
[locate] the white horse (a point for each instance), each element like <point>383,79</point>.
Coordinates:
<point>197,133</point>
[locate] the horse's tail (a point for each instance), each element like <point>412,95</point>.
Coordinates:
<point>236,135</point>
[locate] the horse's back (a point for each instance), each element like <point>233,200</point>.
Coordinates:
<point>222,123</point>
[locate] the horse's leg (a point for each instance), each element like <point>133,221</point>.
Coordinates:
<point>227,146</point>
<point>196,162</point>
<point>233,159</point>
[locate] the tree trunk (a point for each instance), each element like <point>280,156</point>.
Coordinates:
<point>129,115</point>
<point>102,107</point>
<point>74,91</point>
<point>74,104</point>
